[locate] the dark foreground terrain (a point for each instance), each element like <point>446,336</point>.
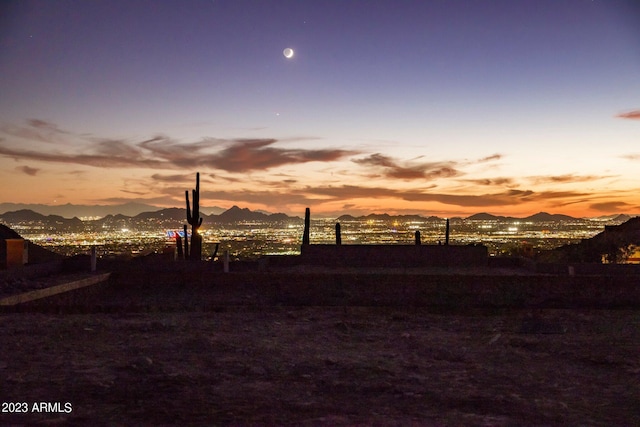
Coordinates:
<point>323,366</point>
<point>163,349</point>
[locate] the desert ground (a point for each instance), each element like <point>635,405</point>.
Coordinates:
<point>139,355</point>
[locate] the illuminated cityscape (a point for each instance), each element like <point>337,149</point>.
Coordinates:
<point>127,236</point>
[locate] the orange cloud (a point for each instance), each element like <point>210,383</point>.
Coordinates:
<point>568,178</point>
<point>610,206</point>
<point>491,181</point>
<point>490,158</point>
<point>172,178</point>
<point>505,198</point>
<point>633,115</point>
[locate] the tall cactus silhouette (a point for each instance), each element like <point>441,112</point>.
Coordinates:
<point>194,219</point>
<point>307,224</point>
<point>446,233</point>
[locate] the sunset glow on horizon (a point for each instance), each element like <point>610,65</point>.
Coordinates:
<point>423,107</point>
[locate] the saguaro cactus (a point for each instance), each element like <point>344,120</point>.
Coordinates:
<point>179,246</point>
<point>338,234</point>
<point>186,241</point>
<point>193,218</point>
<point>307,224</point>
<point>417,237</point>
<point>446,235</point>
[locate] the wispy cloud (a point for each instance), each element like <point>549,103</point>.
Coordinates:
<point>160,152</point>
<point>567,178</point>
<point>238,155</point>
<point>266,197</point>
<point>158,201</point>
<point>328,194</point>
<point>537,180</point>
<point>504,198</point>
<point>492,181</point>
<point>633,115</point>
<point>137,193</point>
<point>28,170</point>
<point>610,206</point>
<point>37,130</point>
<point>97,160</point>
<point>259,154</point>
<point>346,195</point>
<point>391,168</point>
<point>490,158</point>
<point>631,156</point>
<point>173,178</point>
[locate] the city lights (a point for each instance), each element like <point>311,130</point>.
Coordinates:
<point>250,240</point>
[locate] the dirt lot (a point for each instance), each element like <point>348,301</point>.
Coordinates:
<point>242,365</point>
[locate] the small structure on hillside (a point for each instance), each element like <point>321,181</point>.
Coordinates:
<point>13,253</point>
<point>14,250</point>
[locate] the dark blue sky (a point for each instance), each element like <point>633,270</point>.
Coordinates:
<point>444,107</point>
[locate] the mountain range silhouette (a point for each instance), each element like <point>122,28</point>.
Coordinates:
<point>237,214</point>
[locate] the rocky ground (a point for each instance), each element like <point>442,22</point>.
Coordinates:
<point>349,365</point>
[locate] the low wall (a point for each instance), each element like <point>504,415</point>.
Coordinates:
<point>394,255</point>
<point>195,289</point>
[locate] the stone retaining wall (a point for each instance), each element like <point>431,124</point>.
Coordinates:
<point>206,288</point>
<point>394,255</point>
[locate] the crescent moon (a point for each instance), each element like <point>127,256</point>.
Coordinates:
<point>288,53</point>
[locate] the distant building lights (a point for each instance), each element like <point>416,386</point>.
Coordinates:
<point>171,234</point>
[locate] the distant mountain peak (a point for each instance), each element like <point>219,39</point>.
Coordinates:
<point>69,210</point>
<point>545,216</point>
<point>238,214</point>
<point>483,216</point>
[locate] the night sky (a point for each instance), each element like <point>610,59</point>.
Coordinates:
<point>431,107</point>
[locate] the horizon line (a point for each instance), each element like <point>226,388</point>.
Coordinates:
<point>322,216</point>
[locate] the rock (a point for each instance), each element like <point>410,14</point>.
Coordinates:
<point>495,338</point>
<point>533,325</point>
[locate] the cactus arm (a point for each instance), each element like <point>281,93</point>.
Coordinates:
<point>186,195</point>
